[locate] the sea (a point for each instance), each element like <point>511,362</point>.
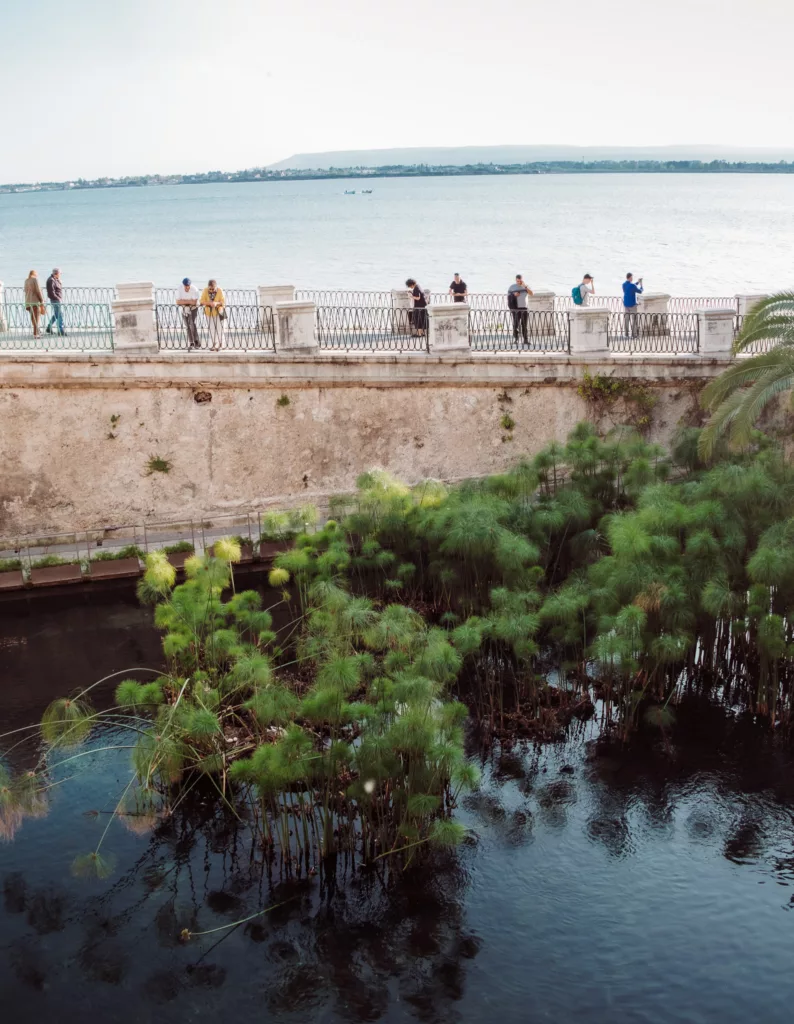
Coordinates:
<point>685,234</point>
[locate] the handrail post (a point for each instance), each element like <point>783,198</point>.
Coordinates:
<point>133,312</point>
<point>270,295</point>
<point>296,327</point>
<point>744,303</point>
<point>589,331</point>
<point>401,303</point>
<point>715,332</point>
<point>448,329</point>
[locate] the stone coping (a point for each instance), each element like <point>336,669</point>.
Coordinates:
<point>342,369</point>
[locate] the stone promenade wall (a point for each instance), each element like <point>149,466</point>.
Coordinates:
<point>77,431</point>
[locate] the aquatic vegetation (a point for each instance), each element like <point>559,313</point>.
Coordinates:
<point>604,576</point>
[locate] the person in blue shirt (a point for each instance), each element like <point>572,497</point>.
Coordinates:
<point>630,293</point>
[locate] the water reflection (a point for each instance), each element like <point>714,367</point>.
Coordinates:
<point>628,860</point>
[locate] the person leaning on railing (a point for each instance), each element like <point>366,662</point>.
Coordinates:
<point>187,298</point>
<point>34,301</point>
<point>213,303</point>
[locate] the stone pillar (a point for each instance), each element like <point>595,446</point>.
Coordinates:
<point>653,302</point>
<point>295,331</point>
<point>715,332</point>
<point>744,303</point>
<point>448,327</point>
<point>271,295</point>
<point>133,313</point>
<point>136,290</point>
<point>541,313</point>
<point>589,326</point>
<point>401,303</point>
<point>3,322</point>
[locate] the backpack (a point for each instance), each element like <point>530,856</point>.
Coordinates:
<point>576,295</point>
<point>512,300</point>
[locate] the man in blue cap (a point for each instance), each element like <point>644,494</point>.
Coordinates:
<point>187,298</point>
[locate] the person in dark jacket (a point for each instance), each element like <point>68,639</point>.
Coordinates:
<point>417,317</point>
<point>55,295</point>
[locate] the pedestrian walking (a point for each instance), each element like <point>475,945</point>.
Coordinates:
<point>34,301</point>
<point>458,289</point>
<point>517,295</point>
<point>417,317</point>
<point>630,293</point>
<point>55,295</point>
<point>214,305</point>
<point>187,298</point>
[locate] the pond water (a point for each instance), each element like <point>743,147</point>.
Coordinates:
<point>648,886</point>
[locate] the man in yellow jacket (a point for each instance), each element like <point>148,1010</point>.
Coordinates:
<point>213,303</point>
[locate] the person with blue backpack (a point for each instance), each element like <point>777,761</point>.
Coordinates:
<point>582,292</point>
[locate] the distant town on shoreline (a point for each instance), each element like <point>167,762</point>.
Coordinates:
<point>417,171</point>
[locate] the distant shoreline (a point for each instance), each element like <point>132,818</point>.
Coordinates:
<point>261,174</point>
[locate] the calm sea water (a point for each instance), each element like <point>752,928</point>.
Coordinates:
<point>686,234</point>
<point>649,889</point>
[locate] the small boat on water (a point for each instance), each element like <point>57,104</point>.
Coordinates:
<point>366,191</point>
<point>350,192</point>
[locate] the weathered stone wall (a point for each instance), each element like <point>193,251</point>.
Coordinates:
<point>234,443</point>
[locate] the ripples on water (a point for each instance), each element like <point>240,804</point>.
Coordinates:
<point>596,884</point>
<point>688,234</point>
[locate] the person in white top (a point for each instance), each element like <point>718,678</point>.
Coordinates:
<point>587,289</point>
<point>187,298</point>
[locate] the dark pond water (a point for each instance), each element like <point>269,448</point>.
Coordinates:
<point>647,887</point>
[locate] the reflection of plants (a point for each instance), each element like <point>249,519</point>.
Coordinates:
<point>157,464</point>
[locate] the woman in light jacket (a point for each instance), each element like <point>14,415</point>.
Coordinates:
<point>34,301</point>
<point>213,303</point>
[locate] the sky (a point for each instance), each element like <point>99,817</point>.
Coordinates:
<point>168,86</point>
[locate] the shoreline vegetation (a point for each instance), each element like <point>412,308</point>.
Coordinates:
<point>415,171</point>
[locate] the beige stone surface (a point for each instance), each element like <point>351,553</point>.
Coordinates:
<point>232,447</point>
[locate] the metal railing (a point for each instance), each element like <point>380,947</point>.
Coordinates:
<point>755,348</point>
<point>368,327</point>
<point>233,296</point>
<point>688,304</point>
<point>72,294</point>
<point>653,332</point>
<point>73,326</point>
<point>245,328</point>
<point>343,298</point>
<point>519,330</point>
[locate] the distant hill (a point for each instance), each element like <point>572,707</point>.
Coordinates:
<point>461,155</point>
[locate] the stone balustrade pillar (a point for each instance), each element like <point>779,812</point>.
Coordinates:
<point>133,313</point>
<point>541,312</point>
<point>448,327</point>
<point>3,322</point>
<point>715,332</point>
<point>746,303</point>
<point>295,332</point>
<point>589,331</point>
<point>653,302</point>
<point>402,303</point>
<point>271,295</point>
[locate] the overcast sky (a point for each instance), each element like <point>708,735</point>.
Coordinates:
<point>94,89</point>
